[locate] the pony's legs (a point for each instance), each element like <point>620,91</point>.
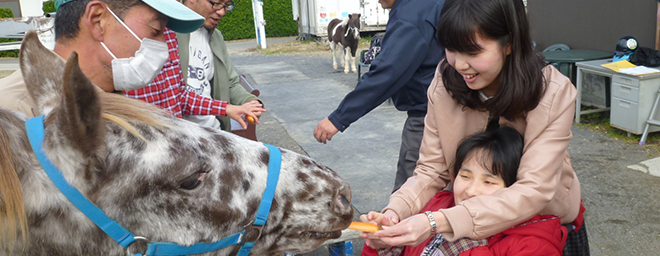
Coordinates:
<point>342,50</point>
<point>352,59</point>
<point>332,47</point>
<point>347,58</point>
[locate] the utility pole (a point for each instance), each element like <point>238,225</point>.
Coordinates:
<point>259,22</point>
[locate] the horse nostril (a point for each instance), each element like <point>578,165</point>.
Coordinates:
<point>345,190</point>
<point>343,200</point>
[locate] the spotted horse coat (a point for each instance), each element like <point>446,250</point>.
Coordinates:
<point>160,177</point>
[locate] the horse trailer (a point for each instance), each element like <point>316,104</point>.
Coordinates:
<point>313,16</point>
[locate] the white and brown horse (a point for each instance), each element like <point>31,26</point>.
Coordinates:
<point>346,35</point>
<point>160,177</point>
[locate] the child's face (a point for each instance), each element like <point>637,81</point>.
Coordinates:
<point>473,180</point>
<point>481,70</point>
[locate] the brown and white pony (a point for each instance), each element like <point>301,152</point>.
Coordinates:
<point>160,177</point>
<point>345,34</point>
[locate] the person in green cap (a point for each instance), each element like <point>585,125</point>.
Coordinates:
<point>120,44</point>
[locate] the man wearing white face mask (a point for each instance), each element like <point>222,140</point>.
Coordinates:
<point>136,72</point>
<point>104,33</point>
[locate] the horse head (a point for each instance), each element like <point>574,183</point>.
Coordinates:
<point>160,177</point>
<point>353,26</point>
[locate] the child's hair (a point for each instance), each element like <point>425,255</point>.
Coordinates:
<point>501,147</point>
<point>521,78</point>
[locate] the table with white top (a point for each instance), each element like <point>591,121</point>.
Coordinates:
<point>632,97</point>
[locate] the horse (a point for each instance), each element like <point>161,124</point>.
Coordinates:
<point>345,33</point>
<point>160,177</point>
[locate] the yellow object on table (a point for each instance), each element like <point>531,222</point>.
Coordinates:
<point>626,67</point>
<point>619,65</point>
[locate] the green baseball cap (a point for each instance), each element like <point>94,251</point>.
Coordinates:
<point>181,18</point>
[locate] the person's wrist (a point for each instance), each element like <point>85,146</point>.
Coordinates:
<point>432,223</point>
<point>392,216</point>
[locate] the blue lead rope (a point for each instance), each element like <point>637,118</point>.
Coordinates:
<point>35,131</point>
<point>274,163</point>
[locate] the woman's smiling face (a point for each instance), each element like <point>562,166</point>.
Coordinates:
<point>481,70</point>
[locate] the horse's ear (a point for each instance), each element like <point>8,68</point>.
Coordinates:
<point>42,71</point>
<point>79,117</point>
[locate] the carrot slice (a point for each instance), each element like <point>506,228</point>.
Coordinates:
<point>250,119</point>
<point>364,227</point>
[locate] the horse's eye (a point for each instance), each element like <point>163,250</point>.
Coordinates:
<point>192,181</point>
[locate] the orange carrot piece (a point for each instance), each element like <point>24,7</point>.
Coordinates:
<point>364,227</point>
<point>250,119</point>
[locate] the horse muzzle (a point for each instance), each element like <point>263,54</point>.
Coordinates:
<point>342,201</point>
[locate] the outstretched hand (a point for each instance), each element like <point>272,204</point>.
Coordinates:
<point>410,231</point>
<point>252,108</point>
<point>383,220</point>
<point>255,104</point>
<point>324,131</point>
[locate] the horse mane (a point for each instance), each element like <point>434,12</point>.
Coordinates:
<point>344,22</point>
<point>12,209</point>
<point>120,109</point>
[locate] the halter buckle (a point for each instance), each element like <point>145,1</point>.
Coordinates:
<point>252,233</point>
<point>137,238</point>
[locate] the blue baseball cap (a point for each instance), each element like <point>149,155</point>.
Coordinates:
<point>181,18</point>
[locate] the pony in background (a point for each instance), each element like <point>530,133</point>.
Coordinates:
<point>160,177</point>
<point>346,35</point>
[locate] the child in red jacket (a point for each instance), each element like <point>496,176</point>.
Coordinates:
<point>485,163</point>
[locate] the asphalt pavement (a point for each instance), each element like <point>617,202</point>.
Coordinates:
<point>300,90</point>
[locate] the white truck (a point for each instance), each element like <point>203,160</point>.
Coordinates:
<point>313,16</point>
<point>17,27</point>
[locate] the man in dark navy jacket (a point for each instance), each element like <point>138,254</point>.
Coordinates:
<point>403,71</point>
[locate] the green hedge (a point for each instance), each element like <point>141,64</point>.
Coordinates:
<point>49,6</point>
<point>279,18</point>
<point>7,13</point>
<point>239,23</point>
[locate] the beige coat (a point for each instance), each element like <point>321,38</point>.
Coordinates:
<point>14,95</point>
<point>546,181</point>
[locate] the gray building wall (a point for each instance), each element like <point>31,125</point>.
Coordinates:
<point>14,6</point>
<point>592,24</point>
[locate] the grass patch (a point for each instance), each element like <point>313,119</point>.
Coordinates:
<point>295,46</point>
<point>308,46</point>
<point>600,122</point>
<point>367,38</point>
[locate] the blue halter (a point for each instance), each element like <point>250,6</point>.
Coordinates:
<point>246,238</point>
